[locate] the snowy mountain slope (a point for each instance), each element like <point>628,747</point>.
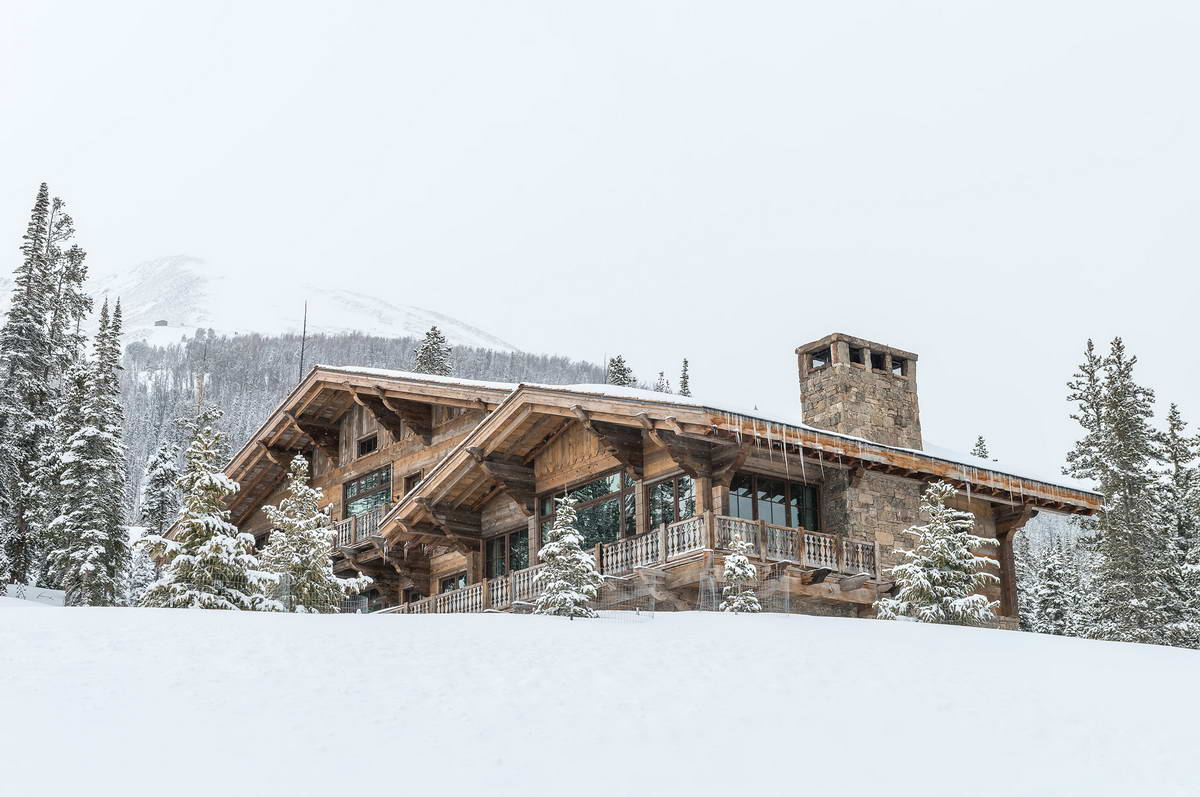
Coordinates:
<point>183,292</point>
<point>691,704</point>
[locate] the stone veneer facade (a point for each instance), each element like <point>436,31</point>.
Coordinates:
<point>856,387</point>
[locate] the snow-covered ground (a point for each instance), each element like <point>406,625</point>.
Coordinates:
<point>170,702</point>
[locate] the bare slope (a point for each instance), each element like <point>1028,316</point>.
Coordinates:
<point>139,701</point>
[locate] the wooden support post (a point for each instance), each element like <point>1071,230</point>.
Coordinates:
<point>487,594</point>
<point>762,539</point>
<point>710,530</point>
<point>662,543</point>
<point>599,554</point>
<point>878,564</point>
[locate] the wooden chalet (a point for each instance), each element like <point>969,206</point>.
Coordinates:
<point>442,488</point>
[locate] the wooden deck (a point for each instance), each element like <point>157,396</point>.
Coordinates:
<point>669,547</point>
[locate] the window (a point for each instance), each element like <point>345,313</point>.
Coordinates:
<point>778,502</point>
<point>506,553</point>
<point>821,358</point>
<point>898,366</point>
<point>606,509</point>
<point>411,481</point>
<point>856,355</point>
<point>451,583</point>
<point>877,361</point>
<point>367,492</point>
<point>672,500</point>
<point>368,444</point>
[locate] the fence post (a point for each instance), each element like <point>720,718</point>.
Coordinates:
<point>762,539</point>
<point>878,574</point>
<point>662,543</point>
<point>599,557</point>
<point>710,530</point>
<point>486,602</point>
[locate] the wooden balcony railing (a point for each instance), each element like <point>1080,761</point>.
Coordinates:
<point>359,527</point>
<point>779,545</point>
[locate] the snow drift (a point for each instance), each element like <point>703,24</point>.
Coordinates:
<point>166,702</point>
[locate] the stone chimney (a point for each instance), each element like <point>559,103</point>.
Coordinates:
<point>860,388</point>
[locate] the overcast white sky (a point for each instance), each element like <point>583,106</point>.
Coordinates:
<point>987,184</point>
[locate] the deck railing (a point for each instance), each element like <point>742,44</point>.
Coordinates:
<point>778,545</point>
<point>357,528</point>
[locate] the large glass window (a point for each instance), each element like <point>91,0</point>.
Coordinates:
<point>778,502</point>
<point>451,583</point>
<point>504,554</point>
<point>367,492</point>
<point>606,509</point>
<point>672,500</point>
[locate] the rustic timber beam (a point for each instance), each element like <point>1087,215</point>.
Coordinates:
<point>727,461</point>
<point>512,474</point>
<point>279,455</point>
<point>547,441</point>
<point>693,456</point>
<point>621,442</point>
<point>417,415</point>
<point>455,523</point>
<point>1008,523</point>
<point>323,435</point>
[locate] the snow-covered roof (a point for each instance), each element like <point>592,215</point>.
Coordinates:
<point>930,450</point>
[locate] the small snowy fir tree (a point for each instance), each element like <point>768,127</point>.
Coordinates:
<point>159,507</point>
<point>210,564</point>
<point>93,556</point>
<point>940,581</point>
<point>1052,595</point>
<point>739,572</point>
<point>569,578</point>
<point>433,355</point>
<point>981,448</point>
<point>662,384</point>
<point>685,385</point>
<point>619,373</point>
<point>300,547</point>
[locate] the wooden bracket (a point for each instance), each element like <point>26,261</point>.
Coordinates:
<point>621,442</point>
<point>323,435</point>
<point>414,414</point>
<point>511,474</point>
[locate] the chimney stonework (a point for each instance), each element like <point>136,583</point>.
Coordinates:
<point>860,388</point>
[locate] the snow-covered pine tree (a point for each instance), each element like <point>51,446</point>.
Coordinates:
<point>685,384</point>
<point>1179,509</point>
<point>981,448</point>
<point>662,384</point>
<point>569,578</point>
<point>158,508</point>
<point>1052,598</point>
<point>1119,451</point>
<point>300,547</point>
<point>92,556</point>
<point>210,564</point>
<point>739,573</point>
<point>54,495</point>
<point>1027,581</point>
<point>619,373</point>
<point>433,354</point>
<point>69,304</point>
<point>25,413</point>
<point>940,580</point>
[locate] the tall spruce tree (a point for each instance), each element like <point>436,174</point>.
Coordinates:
<point>685,384</point>
<point>92,554</point>
<point>25,414</point>
<point>209,564</point>
<point>158,508</point>
<point>433,354</point>
<point>1053,595</point>
<point>662,384</point>
<point>1027,581</point>
<point>941,579</point>
<point>981,448</point>
<point>569,578</point>
<point>1118,451</point>
<point>1179,510</point>
<point>739,573</point>
<point>619,373</point>
<point>300,548</point>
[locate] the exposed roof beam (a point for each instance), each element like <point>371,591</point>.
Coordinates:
<point>621,442</point>
<point>512,474</point>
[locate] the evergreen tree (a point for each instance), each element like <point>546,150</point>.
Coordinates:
<point>209,564</point>
<point>981,449</point>
<point>662,385</point>
<point>69,305</point>
<point>1053,595</point>
<point>940,580</point>
<point>1027,581</point>
<point>1179,510</point>
<point>300,548</point>
<point>619,373</point>
<point>92,556</point>
<point>569,578</point>
<point>739,572</point>
<point>1119,451</point>
<point>685,385</point>
<point>25,415</point>
<point>433,355</point>
<point>158,507</point>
